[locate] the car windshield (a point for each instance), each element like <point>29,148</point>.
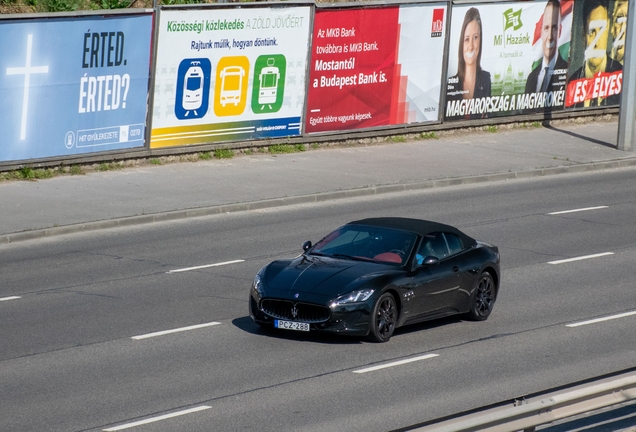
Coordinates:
<point>367,243</point>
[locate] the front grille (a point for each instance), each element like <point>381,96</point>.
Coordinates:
<point>305,312</point>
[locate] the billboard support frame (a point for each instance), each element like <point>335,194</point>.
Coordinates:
<point>627,114</point>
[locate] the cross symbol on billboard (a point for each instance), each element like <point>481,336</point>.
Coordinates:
<point>26,70</point>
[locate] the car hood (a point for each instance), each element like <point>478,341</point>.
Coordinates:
<point>323,275</point>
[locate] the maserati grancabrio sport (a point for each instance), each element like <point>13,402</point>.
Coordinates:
<point>371,276</point>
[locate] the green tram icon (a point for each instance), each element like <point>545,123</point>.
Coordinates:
<point>269,83</point>
<point>268,79</point>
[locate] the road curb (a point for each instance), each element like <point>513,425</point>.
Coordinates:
<point>308,199</point>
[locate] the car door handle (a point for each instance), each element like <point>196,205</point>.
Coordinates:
<point>455,268</point>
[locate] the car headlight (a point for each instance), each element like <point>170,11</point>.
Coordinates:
<point>257,285</point>
<point>353,297</point>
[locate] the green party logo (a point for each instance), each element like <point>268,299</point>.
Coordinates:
<point>512,19</point>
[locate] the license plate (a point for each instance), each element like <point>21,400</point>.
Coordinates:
<point>290,325</point>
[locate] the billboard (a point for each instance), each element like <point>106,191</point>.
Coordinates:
<point>229,74</point>
<point>598,49</point>
<point>73,85</point>
<point>361,77</point>
<point>508,58</point>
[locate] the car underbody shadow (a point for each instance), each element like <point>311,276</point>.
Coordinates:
<point>246,324</point>
<point>427,325</point>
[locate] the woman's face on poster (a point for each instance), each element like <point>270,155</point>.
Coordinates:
<point>472,39</point>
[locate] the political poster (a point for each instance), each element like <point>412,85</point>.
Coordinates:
<point>361,77</point>
<point>73,85</point>
<point>229,74</point>
<point>508,58</point>
<point>598,49</point>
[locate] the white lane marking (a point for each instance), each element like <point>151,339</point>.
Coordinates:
<point>581,258</point>
<point>397,363</point>
<point>597,320</point>
<point>206,266</point>
<point>578,210</point>
<point>10,298</point>
<point>182,329</point>
<point>156,419</point>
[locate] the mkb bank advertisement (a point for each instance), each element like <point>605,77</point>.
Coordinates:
<point>508,58</point>
<point>73,85</point>
<point>229,74</point>
<point>375,66</point>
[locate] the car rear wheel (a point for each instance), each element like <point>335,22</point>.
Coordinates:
<point>384,318</point>
<point>483,298</point>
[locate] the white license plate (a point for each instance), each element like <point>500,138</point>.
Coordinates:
<point>290,325</point>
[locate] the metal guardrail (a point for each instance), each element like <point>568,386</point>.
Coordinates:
<point>525,414</point>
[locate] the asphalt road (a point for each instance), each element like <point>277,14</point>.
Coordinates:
<point>72,309</point>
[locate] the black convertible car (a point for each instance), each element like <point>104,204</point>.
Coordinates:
<point>371,276</point>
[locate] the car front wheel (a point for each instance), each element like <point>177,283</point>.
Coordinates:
<point>483,298</point>
<point>384,318</point>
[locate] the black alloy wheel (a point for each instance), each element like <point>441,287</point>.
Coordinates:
<point>483,298</point>
<point>384,318</point>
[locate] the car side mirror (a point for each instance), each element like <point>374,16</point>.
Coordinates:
<point>306,245</point>
<point>430,260</point>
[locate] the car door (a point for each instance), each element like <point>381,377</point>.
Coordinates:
<point>463,266</point>
<point>435,286</point>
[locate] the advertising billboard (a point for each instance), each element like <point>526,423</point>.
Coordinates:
<point>361,77</point>
<point>508,58</point>
<point>229,74</point>
<point>598,49</point>
<point>73,85</point>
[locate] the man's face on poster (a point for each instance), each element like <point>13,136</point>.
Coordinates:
<point>596,37</point>
<point>550,32</point>
<point>619,27</point>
